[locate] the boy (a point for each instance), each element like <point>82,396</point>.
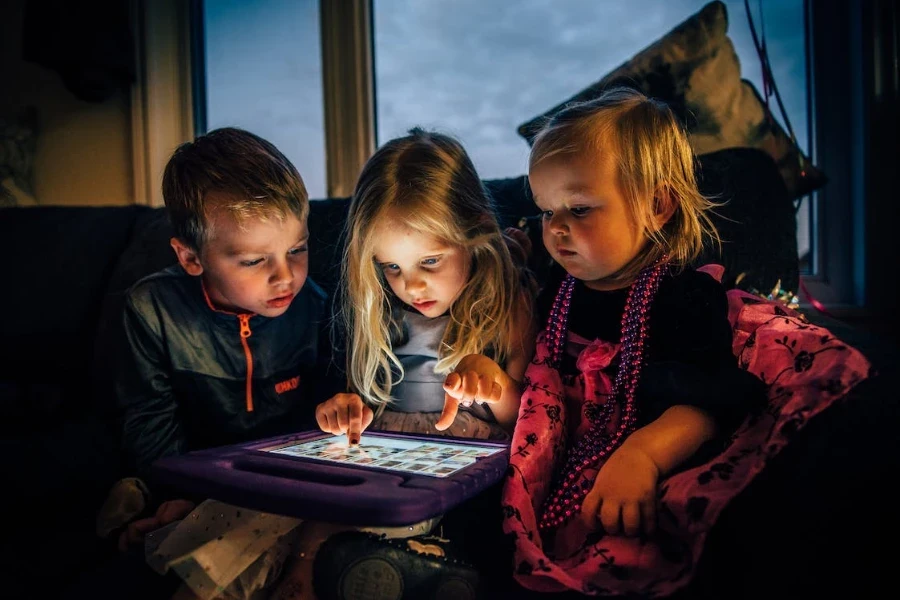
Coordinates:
<point>223,347</point>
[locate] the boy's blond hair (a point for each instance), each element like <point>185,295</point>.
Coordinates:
<point>428,181</point>
<point>248,175</point>
<point>655,162</point>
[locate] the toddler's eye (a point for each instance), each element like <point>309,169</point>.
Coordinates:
<point>299,250</point>
<point>251,263</point>
<point>580,211</point>
<point>390,267</point>
<point>430,262</point>
<point>546,214</point>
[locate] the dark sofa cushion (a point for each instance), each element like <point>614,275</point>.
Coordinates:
<point>63,259</point>
<point>757,223</point>
<point>147,252</point>
<point>326,240</point>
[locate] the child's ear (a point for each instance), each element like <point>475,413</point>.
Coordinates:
<point>188,258</point>
<point>663,207</point>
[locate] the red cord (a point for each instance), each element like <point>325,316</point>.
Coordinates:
<point>815,303</point>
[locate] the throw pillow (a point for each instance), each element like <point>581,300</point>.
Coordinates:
<point>17,148</point>
<point>695,70</point>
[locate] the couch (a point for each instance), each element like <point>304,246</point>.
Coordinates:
<point>806,526</point>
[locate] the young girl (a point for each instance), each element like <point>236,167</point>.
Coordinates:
<point>635,384</point>
<point>436,313</point>
<point>439,326</point>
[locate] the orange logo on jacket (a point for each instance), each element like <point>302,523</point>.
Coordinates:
<point>288,385</point>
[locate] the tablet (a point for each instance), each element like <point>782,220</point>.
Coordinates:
<point>432,458</point>
<point>389,479</point>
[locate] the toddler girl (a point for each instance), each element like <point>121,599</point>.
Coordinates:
<point>632,435</point>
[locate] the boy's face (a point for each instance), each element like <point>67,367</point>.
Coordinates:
<point>251,266</point>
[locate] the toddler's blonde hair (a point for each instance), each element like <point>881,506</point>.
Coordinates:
<point>654,160</point>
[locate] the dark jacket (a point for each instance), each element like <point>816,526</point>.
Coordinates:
<point>183,383</point>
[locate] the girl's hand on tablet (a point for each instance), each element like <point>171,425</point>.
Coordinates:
<point>344,413</point>
<point>478,379</point>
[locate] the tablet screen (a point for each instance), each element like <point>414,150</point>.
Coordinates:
<point>423,457</point>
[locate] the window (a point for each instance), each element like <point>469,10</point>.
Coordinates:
<point>263,72</point>
<point>477,69</point>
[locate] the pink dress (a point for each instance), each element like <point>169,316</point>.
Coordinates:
<point>805,370</point>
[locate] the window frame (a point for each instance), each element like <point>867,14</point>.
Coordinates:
<point>839,88</point>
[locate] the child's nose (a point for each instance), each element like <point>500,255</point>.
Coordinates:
<point>557,224</point>
<point>282,273</point>
<point>415,284</point>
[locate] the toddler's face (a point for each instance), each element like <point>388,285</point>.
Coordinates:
<point>255,266</point>
<point>587,226</point>
<point>423,272</point>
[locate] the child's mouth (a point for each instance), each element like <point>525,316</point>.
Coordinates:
<point>280,302</point>
<point>423,306</point>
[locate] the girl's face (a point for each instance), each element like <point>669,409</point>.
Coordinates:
<point>423,272</point>
<point>587,226</point>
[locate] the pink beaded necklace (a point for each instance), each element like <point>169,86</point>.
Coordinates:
<point>564,502</point>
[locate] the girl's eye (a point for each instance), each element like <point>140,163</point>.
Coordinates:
<point>430,262</point>
<point>546,214</point>
<point>298,250</point>
<point>580,211</point>
<point>251,263</point>
<point>390,267</point>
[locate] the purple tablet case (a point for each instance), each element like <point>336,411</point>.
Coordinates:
<point>345,493</point>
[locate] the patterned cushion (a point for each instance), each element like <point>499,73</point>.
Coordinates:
<point>695,70</point>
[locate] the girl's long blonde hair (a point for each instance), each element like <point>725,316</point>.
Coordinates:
<point>654,161</point>
<point>427,180</point>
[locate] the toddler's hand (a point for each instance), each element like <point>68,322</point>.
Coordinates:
<point>344,413</point>
<point>624,494</point>
<point>168,512</point>
<point>173,510</point>
<point>477,378</point>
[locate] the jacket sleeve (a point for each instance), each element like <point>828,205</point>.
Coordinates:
<point>151,424</point>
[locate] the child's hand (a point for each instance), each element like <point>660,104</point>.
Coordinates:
<point>624,494</point>
<point>344,413</point>
<point>168,512</point>
<point>477,378</point>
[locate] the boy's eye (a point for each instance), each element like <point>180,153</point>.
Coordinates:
<point>546,214</point>
<point>251,263</point>
<point>298,250</point>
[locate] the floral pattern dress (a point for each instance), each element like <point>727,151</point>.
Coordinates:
<point>805,369</point>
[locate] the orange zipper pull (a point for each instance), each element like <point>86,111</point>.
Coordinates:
<point>245,333</point>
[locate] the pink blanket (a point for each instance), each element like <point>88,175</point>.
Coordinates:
<point>805,368</point>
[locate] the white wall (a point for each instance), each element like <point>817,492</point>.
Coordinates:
<point>83,152</point>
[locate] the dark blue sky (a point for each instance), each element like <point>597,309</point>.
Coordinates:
<point>473,68</point>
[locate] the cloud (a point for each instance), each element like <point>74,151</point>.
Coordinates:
<point>472,68</point>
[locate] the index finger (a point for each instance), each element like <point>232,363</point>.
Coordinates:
<point>355,428</point>
<point>448,415</point>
